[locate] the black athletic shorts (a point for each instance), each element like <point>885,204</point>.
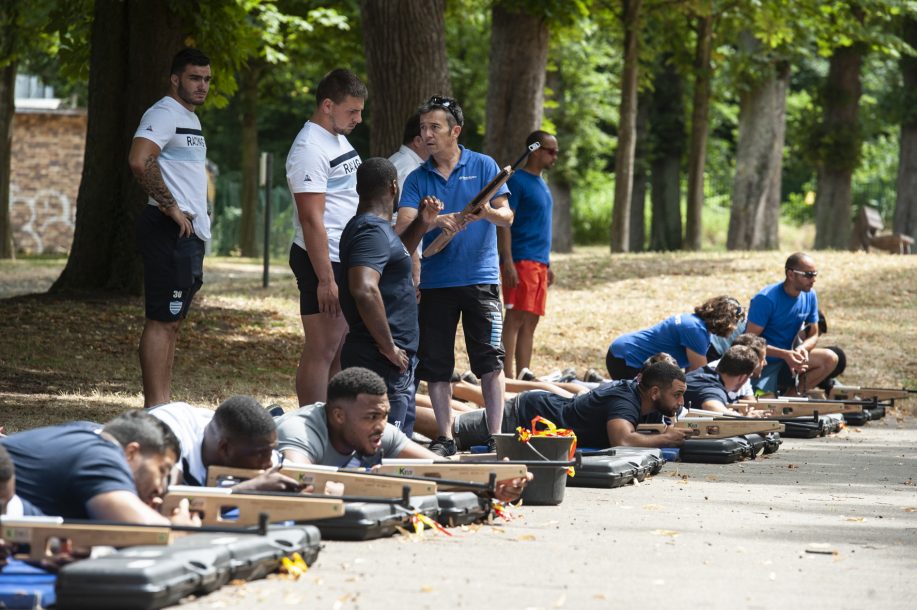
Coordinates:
<point>470,427</point>
<point>307,281</point>
<point>173,266</point>
<point>481,313</point>
<point>617,367</point>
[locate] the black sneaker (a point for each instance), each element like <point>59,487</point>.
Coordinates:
<point>275,410</point>
<point>526,375</point>
<point>592,376</point>
<point>491,445</point>
<point>443,447</point>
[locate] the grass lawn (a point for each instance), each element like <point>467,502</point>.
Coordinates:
<point>77,359</point>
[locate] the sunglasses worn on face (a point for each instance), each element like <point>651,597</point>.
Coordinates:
<point>445,103</point>
<point>806,274</point>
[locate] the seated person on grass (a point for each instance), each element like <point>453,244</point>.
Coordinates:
<point>239,434</point>
<point>604,417</point>
<point>709,388</point>
<point>81,470</point>
<point>351,430</point>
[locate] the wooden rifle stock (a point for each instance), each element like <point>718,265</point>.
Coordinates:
<point>38,533</point>
<point>211,502</point>
<point>776,407</point>
<point>355,483</point>
<point>454,471</point>
<point>718,428</point>
<point>877,393</point>
<point>479,200</point>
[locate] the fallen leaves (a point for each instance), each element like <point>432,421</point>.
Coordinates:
<point>668,533</point>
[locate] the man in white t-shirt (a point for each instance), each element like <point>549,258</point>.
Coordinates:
<point>322,176</point>
<point>239,434</point>
<point>168,158</point>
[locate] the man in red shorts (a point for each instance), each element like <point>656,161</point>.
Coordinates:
<point>525,255</point>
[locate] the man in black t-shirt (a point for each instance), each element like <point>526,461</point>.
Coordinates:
<point>378,299</point>
<point>83,470</point>
<point>604,417</point>
<point>709,388</point>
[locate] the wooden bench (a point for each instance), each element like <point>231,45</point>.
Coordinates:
<point>866,235</point>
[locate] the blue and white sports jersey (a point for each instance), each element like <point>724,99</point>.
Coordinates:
<point>182,160</point>
<point>322,162</point>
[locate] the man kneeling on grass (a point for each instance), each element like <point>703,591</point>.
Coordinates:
<point>351,430</point>
<point>607,416</point>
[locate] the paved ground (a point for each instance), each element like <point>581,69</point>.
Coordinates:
<point>710,536</point>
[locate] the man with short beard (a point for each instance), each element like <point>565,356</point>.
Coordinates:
<point>168,157</point>
<point>322,176</point>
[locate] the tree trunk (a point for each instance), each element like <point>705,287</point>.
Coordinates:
<point>641,173</point>
<point>905,221</point>
<point>132,45</point>
<point>758,163</point>
<point>700,120</point>
<point>405,46</point>
<point>248,98</point>
<point>667,133</point>
<point>840,148</point>
<point>7,111</point>
<point>624,155</point>
<point>516,79</point>
<point>562,219</point>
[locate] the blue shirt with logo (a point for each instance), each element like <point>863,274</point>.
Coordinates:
<point>672,336</point>
<point>531,202</point>
<point>782,316</point>
<point>471,256</point>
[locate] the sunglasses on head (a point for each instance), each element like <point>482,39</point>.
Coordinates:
<point>807,274</point>
<point>446,103</point>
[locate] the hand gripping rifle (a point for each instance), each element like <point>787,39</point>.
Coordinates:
<point>479,201</point>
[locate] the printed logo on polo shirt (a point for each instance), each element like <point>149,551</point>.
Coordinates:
<point>308,178</point>
<point>149,128</point>
<point>174,307</point>
<point>468,177</point>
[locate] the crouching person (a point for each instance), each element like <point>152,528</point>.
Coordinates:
<point>351,430</point>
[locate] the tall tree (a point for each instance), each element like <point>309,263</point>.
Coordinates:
<point>667,134</point>
<point>405,46</point>
<point>840,147</point>
<point>641,175</point>
<point>700,122</point>
<point>249,77</point>
<point>759,154</point>
<point>624,155</point>
<point>905,220</point>
<point>515,96</point>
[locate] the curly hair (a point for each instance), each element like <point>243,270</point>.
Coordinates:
<point>720,314</point>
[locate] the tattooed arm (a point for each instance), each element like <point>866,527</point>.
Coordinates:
<point>144,164</point>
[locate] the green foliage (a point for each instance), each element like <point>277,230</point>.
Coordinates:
<point>591,212</point>
<point>468,50</point>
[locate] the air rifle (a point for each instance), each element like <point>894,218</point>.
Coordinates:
<point>448,473</point>
<point>214,502</point>
<point>355,483</point>
<point>877,393</point>
<point>785,409</point>
<point>479,201</point>
<point>717,428</point>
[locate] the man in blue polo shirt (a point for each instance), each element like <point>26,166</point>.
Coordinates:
<point>525,254</point>
<point>462,281</point>
<point>786,315</point>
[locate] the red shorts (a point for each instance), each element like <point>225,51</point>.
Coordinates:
<point>531,291</point>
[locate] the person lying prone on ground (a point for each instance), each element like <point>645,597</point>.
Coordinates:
<point>351,430</point>
<point>81,470</point>
<point>239,434</point>
<point>604,417</point>
<point>709,388</point>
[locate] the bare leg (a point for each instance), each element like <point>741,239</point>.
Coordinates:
<point>821,364</point>
<point>525,339</point>
<point>512,323</point>
<point>157,353</point>
<point>493,385</point>
<point>321,356</point>
<point>441,397</point>
<point>426,422</point>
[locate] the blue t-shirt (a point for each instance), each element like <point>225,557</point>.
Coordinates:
<point>60,468</point>
<point>586,414</point>
<point>530,200</point>
<point>671,336</point>
<point>471,256</point>
<point>782,316</point>
<point>369,241</point>
<point>704,384</point>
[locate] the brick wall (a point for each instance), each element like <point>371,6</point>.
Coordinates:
<point>47,163</point>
